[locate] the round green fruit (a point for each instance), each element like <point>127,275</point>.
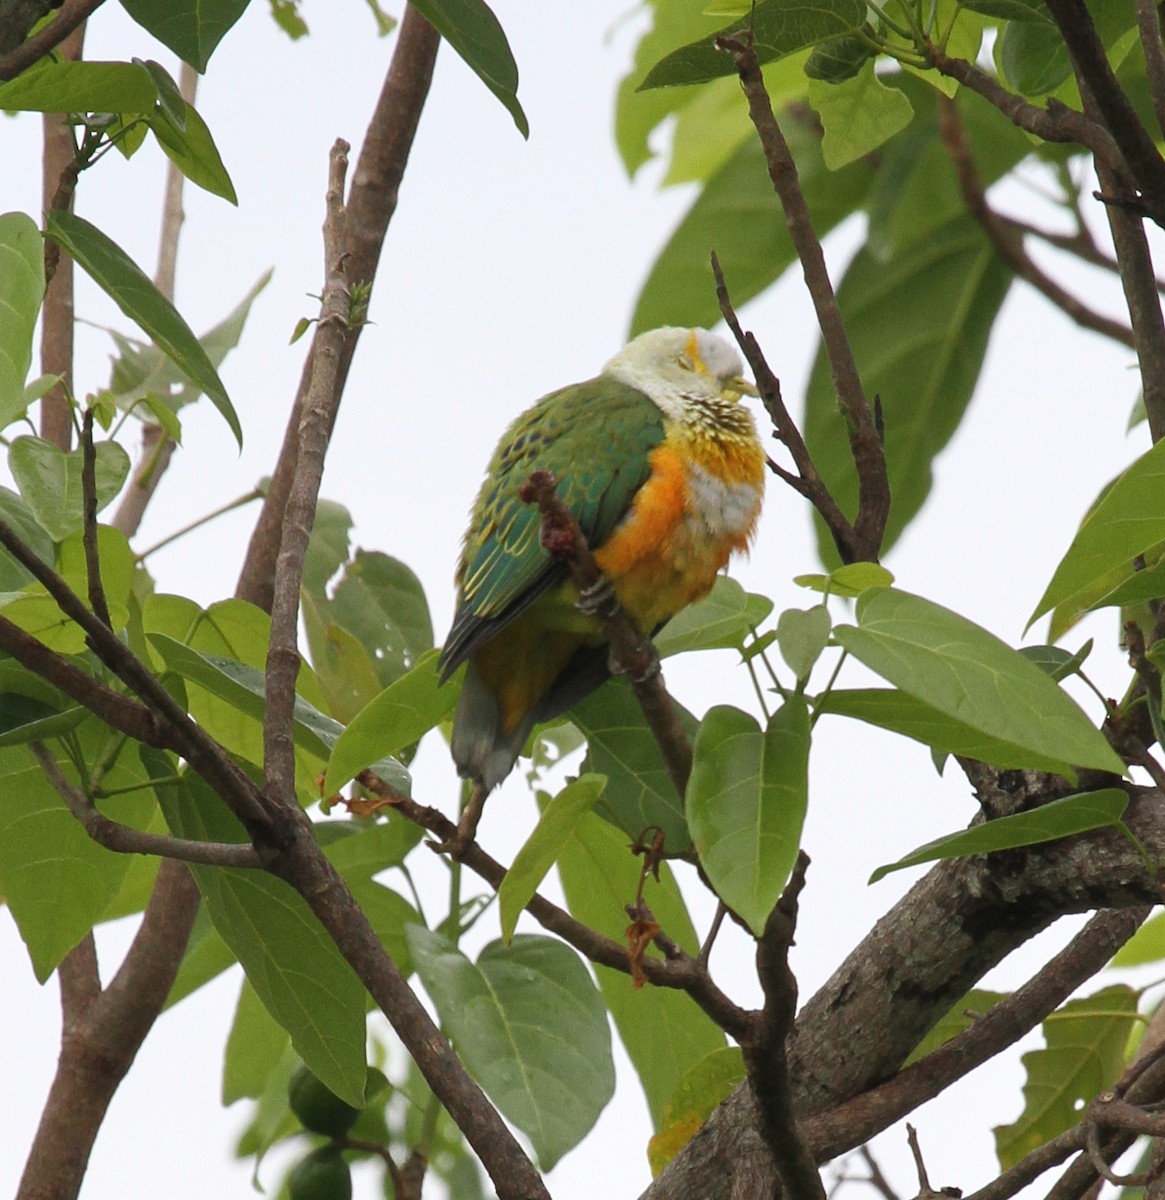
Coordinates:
<point>323,1175</point>
<point>318,1107</point>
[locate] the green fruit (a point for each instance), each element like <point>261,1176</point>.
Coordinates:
<point>323,1175</point>
<point>318,1107</point>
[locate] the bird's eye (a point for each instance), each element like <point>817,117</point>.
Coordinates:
<point>686,363</point>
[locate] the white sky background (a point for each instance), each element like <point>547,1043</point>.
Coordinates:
<point>510,269</point>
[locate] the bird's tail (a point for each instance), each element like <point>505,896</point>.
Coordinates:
<point>482,749</point>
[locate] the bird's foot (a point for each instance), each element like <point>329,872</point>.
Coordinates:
<point>598,600</point>
<point>458,842</point>
<point>644,664</point>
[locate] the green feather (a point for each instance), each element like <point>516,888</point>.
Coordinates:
<point>595,437</point>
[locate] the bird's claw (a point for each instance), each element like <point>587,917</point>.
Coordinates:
<point>598,599</point>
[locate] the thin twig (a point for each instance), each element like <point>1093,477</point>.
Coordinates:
<point>72,14</point>
<point>1008,244</point>
<point>89,521</point>
<point>124,840</point>
<point>683,973</point>
<point>632,652</point>
<point>1149,28</point>
<point>765,1057</point>
<point>320,405</point>
<point>864,436</point>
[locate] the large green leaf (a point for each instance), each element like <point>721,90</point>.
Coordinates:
<point>621,746</point>
<point>746,804</point>
<point>705,1084</point>
<point>254,1047</point>
<point>531,1027</point>
<point>19,517</point>
<point>662,1030</point>
<point>471,28</point>
<point>903,713</point>
<point>55,880</point>
<point>738,215</point>
<point>402,713</point>
<point>918,324</point>
<point>774,27</point>
<point>555,827</point>
<point>135,294</point>
<point>1061,818</point>
<point>1128,521</point>
<point>1086,1041</point>
<point>962,670</point>
<point>50,481</point>
<point>21,291</point>
<point>191,28</point>
<point>106,87</point>
<point>293,965</point>
<point>962,1015</point>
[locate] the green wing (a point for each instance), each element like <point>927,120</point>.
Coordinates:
<point>595,437</point>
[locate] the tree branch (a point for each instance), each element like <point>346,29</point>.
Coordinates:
<point>72,14</point>
<point>865,438</point>
<point>1149,28</point>
<point>122,839</point>
<point>1090,63</point>
<point>89,521</point>
<point>371,204</point>
<point>1007,241</point>
<point>319,411</point>
<point>632,653</point>
<point>807,482</point>
<point>764,1057</point>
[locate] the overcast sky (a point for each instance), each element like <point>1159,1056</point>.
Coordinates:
<point>511,268</point>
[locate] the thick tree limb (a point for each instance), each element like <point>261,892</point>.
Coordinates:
<point>864,436</point>
<point>72,15</point>
<point>958,921</point>
<point>371,204</point>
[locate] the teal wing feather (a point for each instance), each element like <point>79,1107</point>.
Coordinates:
<point>595,437</point>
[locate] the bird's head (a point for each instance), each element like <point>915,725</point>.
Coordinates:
<point>684,371</point>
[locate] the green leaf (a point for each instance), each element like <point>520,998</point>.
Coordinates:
<point>964,1013</point>
<point>1058,663</point>
<point>1085,1053</point>
<point>555,827</point>
<point>1127,521</point>
<point>56,881</point>
<point>207,956</point>
<point>738,215</point>
<point>17,515</point>
<point>21,291</point>
<point>83,87</point>
<point>290,960</point>
<point>839,59</point>
<point>849,581</point>
<point>382,603</point>
<point>341,664</point>
<point>778,27</point>
<point>327,548</point>
<point>191,28</point>
<point>621,746</point>
<point>746,804</point>
<point>135,294</point>
<point>859,115</point>
<point>398,717</point>
<point>918,325</point>
<point>471,28</point>
<point>969,674</point>
<point>701,1090</point>
<point>254,1047</point>
<point>801,637</point>
<point>191,148</point>
<point>50,481</point>
<point>724,618</point>
<point>531,1027</point>
<point>661,1030</point>
<point>902,713</point>
<point>1033,57</point>
<point>1012,10</point>
<point>1059,819</point>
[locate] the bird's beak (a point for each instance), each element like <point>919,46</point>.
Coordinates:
<point>737,386</point>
